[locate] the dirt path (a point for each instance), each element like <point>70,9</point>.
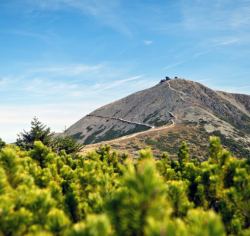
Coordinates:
<point>124,120</point>
<point>179,92</point>
<point>127,137</point>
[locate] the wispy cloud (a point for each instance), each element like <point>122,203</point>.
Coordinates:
<point>241,16</point>
<point>202,49</point>
<point>117,83</point>
<point>106,12</point>
<point>45,36</point>
<point>215,15</point>
<point>235,89</point>
<point>75,80</point>
<point>147,42</point>
<point>225,41</point>
<point>173,65</point>
<point>67,70</point>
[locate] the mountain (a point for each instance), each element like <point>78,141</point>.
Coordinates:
<point>172,105</point>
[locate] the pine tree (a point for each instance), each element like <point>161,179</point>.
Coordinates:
<point>38,132</point>
<point>183,155</point>
<point>2,144</point>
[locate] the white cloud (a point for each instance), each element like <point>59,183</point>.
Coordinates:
<point>147,42</point>
<point>241,17</point>
<point>235,89</point>
<point>225,41</point>
<point>70,81</point>
<point>67,70</point>
<point>106,12</point>
<point>118,83</point>
<point>52,80</point>
<point>45,37</point>
<point>215,15</point>
<point>173,65</point>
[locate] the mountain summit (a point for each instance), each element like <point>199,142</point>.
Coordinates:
<point>172,101</point>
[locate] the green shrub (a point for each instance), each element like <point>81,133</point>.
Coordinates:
<point>104,193</point>
<point>66,143</point>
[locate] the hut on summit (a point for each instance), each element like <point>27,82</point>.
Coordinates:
<point>166,79</point>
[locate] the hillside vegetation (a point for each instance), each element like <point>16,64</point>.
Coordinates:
<point>105,193</point>
<point>168,138</point>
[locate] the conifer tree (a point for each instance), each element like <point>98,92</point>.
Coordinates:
<point>38,132</point>
<point>2,144</point>
<point>183,155</point>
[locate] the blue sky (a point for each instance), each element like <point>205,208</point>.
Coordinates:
<point>61,59</point>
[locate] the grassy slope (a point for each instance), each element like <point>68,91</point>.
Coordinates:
<point>168,140</point>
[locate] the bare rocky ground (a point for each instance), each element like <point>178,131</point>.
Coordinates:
<point>183,104</point>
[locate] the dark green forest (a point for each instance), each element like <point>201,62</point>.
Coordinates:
<point>106,193</point>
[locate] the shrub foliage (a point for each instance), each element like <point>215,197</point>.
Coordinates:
<point>105,193</point>
<point>40,132</point>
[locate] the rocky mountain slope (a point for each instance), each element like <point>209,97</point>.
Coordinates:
<point>176,102</point>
